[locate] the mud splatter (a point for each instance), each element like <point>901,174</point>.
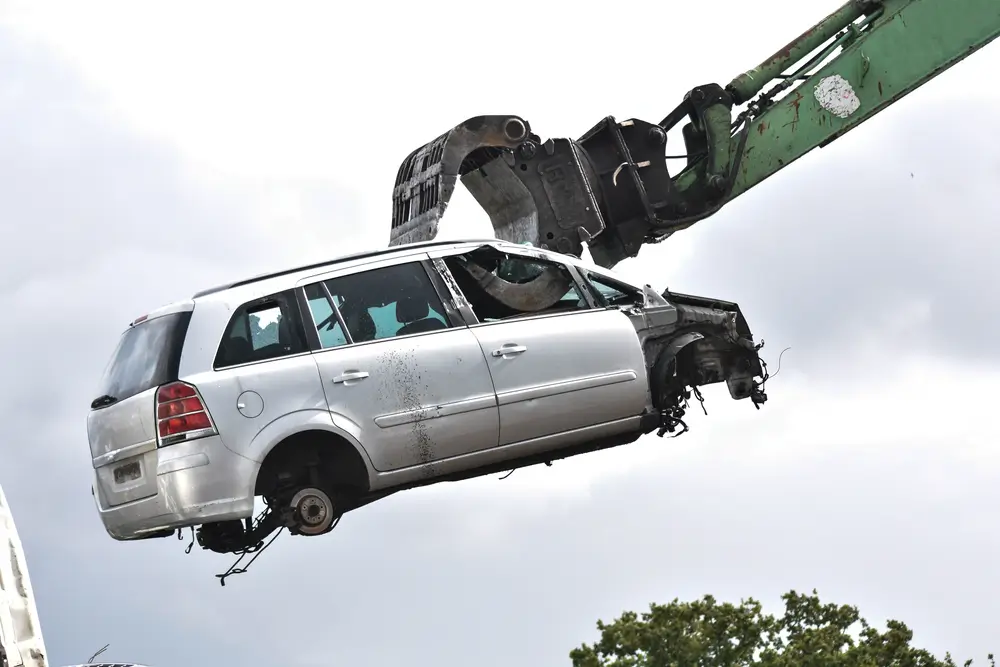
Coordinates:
<point>403,387</point>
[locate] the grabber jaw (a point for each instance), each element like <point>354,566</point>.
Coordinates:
<point>426,179</point>
<point>542,193</point>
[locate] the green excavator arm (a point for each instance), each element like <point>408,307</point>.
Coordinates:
<point>611,190</point>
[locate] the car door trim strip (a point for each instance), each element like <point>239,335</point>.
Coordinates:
<point>564,387</point>
<point>424,413</point>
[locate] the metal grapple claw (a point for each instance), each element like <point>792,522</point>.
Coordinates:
<point>426,179</point>
<point>542,193</point>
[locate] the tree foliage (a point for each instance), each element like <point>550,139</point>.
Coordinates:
<point>706,633</point>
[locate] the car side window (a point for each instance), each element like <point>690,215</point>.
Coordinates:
<point>387,302</point>
<point>500,285</point>
<point>327,326</point>
<point>262,329</point>
<point>614,293</point>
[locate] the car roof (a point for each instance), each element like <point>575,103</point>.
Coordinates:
<point>366,254</point>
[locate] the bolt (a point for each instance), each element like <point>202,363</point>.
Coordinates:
<point>717,182</point>
<point>697,94</point>
<point>527,150</point>
<point>515,129</point>
<point>656,136</point>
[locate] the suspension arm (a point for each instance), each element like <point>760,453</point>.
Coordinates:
<point>611,189</point>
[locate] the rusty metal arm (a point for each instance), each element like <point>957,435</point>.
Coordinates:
<point>611,189</point>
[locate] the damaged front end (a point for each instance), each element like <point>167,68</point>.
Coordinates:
<point>690,342</point>
<point>687,341</point>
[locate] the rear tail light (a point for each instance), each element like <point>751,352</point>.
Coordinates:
<point>181,414</point>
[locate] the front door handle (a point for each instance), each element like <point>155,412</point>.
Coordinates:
<point>509,348</point>
<point>350,375</point>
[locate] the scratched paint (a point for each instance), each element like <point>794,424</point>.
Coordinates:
<point>835,94</point>
<point>454,291</point>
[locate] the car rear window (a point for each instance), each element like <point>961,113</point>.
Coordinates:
<point>148,355</point>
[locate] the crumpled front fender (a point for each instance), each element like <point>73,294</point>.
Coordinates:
<point>703,341</point>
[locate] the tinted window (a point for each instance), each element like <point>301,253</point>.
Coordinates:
<point>330,332</point>
<point>148,355</point>
<point>263,329</point>
<point>382,303</point>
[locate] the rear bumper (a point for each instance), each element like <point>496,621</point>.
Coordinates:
<point>197,482</point>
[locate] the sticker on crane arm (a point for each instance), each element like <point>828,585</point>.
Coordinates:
<point>835,94</point>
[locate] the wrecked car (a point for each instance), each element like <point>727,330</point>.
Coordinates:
<point>326,387</point>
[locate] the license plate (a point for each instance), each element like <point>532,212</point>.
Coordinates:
<point>127,472</point>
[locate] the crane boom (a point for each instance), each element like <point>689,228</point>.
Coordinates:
<point>611,190</point>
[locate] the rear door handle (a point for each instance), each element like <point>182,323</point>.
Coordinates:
<point>509,348</point>
<point>350,375</point>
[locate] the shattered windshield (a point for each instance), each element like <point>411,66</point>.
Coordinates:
<point>519,270</point>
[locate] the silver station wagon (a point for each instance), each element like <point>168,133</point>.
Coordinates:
<point>324,388</point>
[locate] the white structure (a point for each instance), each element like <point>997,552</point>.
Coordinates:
<point>20,631</point>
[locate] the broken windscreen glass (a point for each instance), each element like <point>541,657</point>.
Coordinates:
<point>500,285</point>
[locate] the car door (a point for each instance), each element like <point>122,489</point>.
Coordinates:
<point>559,363</point>
<point>403,368</point>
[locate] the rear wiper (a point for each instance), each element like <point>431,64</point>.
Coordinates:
<point>103,401</point>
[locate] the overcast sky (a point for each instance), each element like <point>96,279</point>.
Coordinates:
<point>145,154</point>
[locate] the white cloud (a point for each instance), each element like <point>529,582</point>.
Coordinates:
<point>870,473</point>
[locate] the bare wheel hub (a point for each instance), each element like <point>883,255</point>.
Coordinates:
<point>314,511</point>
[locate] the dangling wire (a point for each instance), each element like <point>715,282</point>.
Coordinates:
<point>256,551</point>
<point>256,548</point>
<point>779,361</point>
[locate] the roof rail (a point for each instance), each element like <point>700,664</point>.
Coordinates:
<point>336,260</point>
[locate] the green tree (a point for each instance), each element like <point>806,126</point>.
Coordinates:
<point>706,633</point>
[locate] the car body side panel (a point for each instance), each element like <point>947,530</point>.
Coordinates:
<point>567,371</point>
<point>424,398</point>
<point>549,447</point>
<point>244,400</point>
<point>207,328</point>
